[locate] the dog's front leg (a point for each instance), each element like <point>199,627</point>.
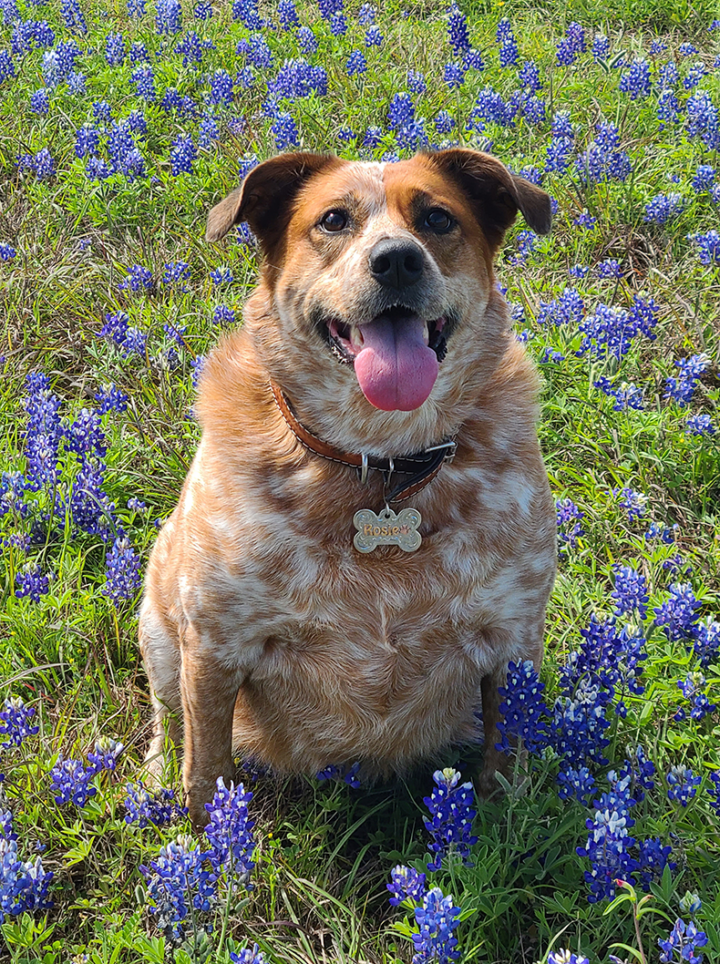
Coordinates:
<point>493,759</point>
<point>209,690</point>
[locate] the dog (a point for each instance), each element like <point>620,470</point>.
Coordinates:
<point>366,535</point>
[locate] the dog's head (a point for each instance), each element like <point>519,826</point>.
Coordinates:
<point>381,273</point>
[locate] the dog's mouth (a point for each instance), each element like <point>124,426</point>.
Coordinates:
<point>395,355</point>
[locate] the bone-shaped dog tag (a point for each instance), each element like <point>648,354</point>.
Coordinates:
<point>387,529</point>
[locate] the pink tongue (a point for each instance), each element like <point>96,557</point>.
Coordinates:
<point>395,369</point>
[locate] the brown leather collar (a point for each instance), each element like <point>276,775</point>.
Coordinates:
<point>422,467</point>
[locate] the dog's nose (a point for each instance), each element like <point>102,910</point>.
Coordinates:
<point>396,264</point>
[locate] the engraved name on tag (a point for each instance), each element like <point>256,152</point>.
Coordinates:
<point>387,529</point>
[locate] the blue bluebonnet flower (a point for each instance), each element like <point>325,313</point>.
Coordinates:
<point>603,160</point>
<point>136,8</point>
<point>248,955</point>
<point>578,725</point>
<point>567,309</point>
<point>44,431</point>
<point>182,155</point>
<point>356,63</point>
<point>229,833</point>
<point>700,425</point>
<point>526,244</point>
<point>490,107</point>
<point>33,582</point>
<point>23,884</point>
<point>572,44</point>
<point>708,246</point>
<point>550,355</point>
<point>373,37</point>
<point>197,365</point>
<point>307,40</point>
<point>678,615</point>
<point>372,138</point>
<point>682,944</point>
<point>668,109</point>
<point>115,49</point>
<point>703,119</point>
<point>692,689</point>
<point>367,14</point>
<point>191,47</point>
<point>682,389</point>
<point>222,315</point>
<point>122,571</point>
<point>406,884</point>
<point>458,35</point>
<point>168,16</point>
<point>472,60</point>
<point>203,10</point>
<point>568,512</point>
<point>87,141</point>
<point>714,791</point>
<point>71,782</point>
<point>663,207</point>
<point>298,78</point>
<point>247,12</point>
<point>523,708</point>
<point>690,903</point>
<point>144,80</point>
<point>177,877</point>
<point>652,860</point>
<point>175,271</point>
<point>287,15</point>
<point>444,123</point>
<point>579,784</point>
<point>285,132</point>
<point>73,15</point>
<point>401,112</point>
<point>565,956</point>
<point>640,770</point>
<point>221,88</point>
<point>437,918</point>
<point>15,721</point>
<point>559,153</point>
<point>508,45</point>
<point>630,593</point>
<point>704,178</point>
<point>139,53</point>
<point>609,843</point>
<point>608,658</point>
<point>633,502</point>
<point>416,82</point>
<point>220,276</point>
<point>347,774</point>
<point>529,76</point>
<point>135,504</point>
<point>694,75</point>
<point>150,807</point>
<point>85,435</point>
<point>138,278</point>
<point>636,81</point>
<point>451,816</point>
<point>105,755</point>
<point>626,395</point>
<point>40,101</point>
<point>706,642</point>
<point>454,76</point>
<point>7,252</point>
<point>682,784</point>
<point>610,331</point>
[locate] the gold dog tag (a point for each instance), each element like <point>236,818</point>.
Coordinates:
<point>387,529</point>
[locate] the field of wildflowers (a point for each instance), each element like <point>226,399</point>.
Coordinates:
<point>121,124</point>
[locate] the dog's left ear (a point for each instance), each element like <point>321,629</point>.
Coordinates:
<point>264,199</point>
<point>496,195</point>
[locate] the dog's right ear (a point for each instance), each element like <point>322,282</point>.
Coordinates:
<point>264,199</point>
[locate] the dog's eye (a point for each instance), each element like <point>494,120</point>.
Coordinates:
<point>438,221</point>
<point>334,221</point>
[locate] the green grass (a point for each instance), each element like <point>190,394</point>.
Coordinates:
<point>324,851</point>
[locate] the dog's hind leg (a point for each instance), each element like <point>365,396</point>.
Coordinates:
<point>159,645</point>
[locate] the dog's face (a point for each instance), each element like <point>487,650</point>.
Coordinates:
<point>380,274</point>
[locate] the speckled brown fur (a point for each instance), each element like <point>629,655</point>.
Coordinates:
<point>261,626</point>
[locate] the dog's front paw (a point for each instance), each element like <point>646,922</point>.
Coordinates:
<point>195,800</point>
